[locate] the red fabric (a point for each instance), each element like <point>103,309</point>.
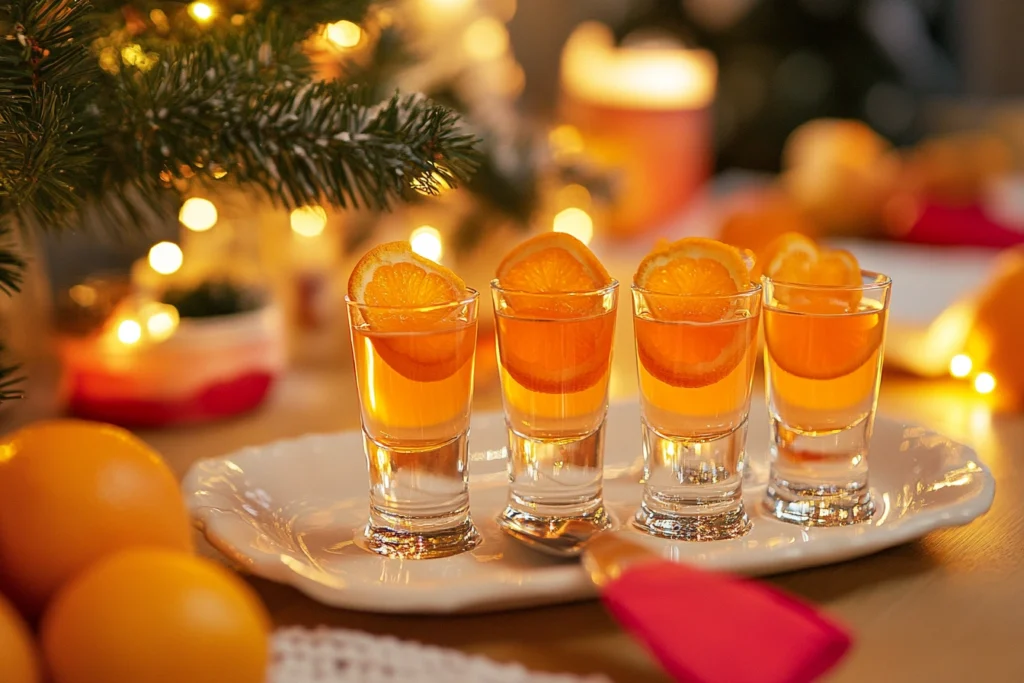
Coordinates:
<point>238,395</point>
<point>707,627</point>
<point>960,226</point>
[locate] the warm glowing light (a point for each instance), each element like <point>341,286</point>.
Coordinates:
<point>83,295</point>
<point>201,12</point>
<point>344,34</point>
<point>440,185</point>
<point>984,383</point>
<point>165,257</point>
<point>565,140</point>
<point>485,39</point>
<point>198,214</point>
<point>595,70</point>
<point>129,332</point>
<point>573,195</point>
<point>426,241</point>
<point>309,221</point>
<point>161,320</point>
<point>448,4</point>
<point>576,222</point>
<point>960,365</point>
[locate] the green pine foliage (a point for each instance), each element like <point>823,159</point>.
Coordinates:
<point>109,109</point>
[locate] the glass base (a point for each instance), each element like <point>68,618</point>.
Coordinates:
<point>420,546</point>
<point>556,479</point>
<point>718,527</point>
<point>819,478</point>
<point>419,500</point>
<point>523,522</point>
<point>811,507</point>
<point>692,487</point>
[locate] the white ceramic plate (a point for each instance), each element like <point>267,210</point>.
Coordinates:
<point>289,512</point>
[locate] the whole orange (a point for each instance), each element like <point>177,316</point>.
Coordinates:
<point>70,493</point>
<point>18,660</point>
<point>994,342</point>
<point>157,616</point>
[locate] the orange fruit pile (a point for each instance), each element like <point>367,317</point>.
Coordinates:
<point>19,661</point>
<point>76,496</point>
<point>409,293</point>
<point>692,280</point>
<point>72,492</point>
<point>814,335</point>
<point>154,615</point>
<point>553,341</point>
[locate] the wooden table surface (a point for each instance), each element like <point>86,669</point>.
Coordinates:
<point>949,607</point>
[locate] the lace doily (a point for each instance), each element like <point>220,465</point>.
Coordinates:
<point>341,656</point>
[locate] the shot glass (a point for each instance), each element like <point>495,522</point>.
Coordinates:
<point>695,358</point>
<point>554,355</point>
<point>823,361</point>
<point>414,374</point>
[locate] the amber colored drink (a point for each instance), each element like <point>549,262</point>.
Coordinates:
<point>695,364</point>
<point>414,375</point>
<point>683,395</point>
<point>823,363</point>
<point>554,373</point>
<point>554,355</point>
<point>407,400</point>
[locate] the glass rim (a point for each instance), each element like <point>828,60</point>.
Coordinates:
<point>472,296</point>
<point>878,281</point>
<point>614,285</point>
<point>754,291</point>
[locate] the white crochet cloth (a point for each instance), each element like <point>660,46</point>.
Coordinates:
<point>340,656</point>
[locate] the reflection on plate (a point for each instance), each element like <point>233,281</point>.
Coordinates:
<point>289,512</point>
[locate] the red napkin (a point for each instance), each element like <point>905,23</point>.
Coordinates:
<point>706,627</point>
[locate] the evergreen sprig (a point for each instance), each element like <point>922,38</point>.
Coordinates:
<point>173,104</point>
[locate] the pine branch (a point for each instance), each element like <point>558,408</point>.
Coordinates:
<point>48,147</point>
<point>11,263</point>
<point>239,100</point>
<point>10,382</point>
<point>247,107</point>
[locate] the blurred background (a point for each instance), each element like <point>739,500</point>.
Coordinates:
<point>893,128</point>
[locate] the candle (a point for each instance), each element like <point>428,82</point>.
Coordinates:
<point>645,111</point>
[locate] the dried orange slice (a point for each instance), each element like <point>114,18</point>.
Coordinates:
<point>414,320</point>
<point>690,281</point>
<point>552,341</point>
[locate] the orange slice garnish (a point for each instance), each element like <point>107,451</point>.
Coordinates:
<point>795,259</point>
<point>822,346</point>
<point>552,262</point>
<point>414,320</point>
<point>690,281</point>
<point>552,343</point>
<point>694,267</point>
<point>819,332</point>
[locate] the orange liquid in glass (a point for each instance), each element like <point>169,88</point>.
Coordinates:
<point>695,376</point>
<point>823,368</point>
<point>415,387</point>
<point>554,373</point>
